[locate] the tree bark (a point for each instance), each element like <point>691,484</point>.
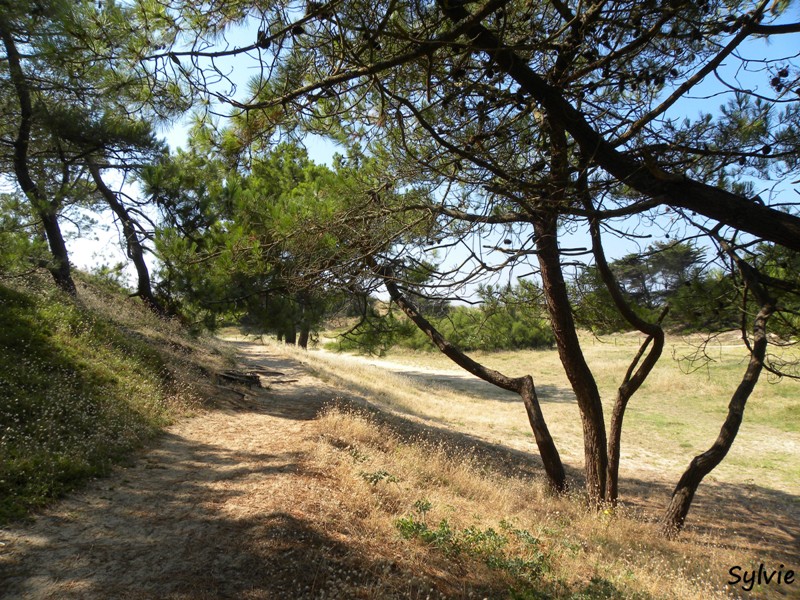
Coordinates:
<point>290,334</point>
<point>134,248</point>
<point>569,350</point>
<point>523,386</point>
<point>630,384</point>
<point>61,271</point>
<point>675,516</point>
<point>46,211</point>
<point>305,333</point>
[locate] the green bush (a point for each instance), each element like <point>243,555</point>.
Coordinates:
<point>514,551</point>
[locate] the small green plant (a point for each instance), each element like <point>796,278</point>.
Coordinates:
<point>377,476</point>
<point>357,455</point>
<point>514,551</point>
<point>423,506</point>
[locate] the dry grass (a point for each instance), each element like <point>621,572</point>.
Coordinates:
<point>744,514</point>
<point>476,530</point>
<point>676,414</point>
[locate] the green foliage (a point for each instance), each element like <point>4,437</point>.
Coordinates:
<point>514,551</point>
<point>666,273</point>
<point>508,318</point>
<point>20,249</point>
<point>376,333</point>
<point>76,394</point>
<point>783,266</point>
<point>376,477</point>
<point>232,242</point>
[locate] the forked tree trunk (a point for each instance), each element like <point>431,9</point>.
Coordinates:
<point>630,384</point>
<point>704,463</point>
<point>634,377</point>
<point>523,386</point>
<point>571,355</point>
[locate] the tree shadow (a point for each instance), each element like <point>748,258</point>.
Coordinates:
<point>472,387</point>
<point>730,515</point>
<point>165,528</point>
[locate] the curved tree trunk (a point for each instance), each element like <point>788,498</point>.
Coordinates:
<point>46,211</point>
<point>702,464</point>
<point>523,386</point>
<point>134,248</point>
<point>571,355</point>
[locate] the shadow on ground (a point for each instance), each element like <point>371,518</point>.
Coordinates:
<point>745,516</point>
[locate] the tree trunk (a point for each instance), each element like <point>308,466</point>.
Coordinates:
<point>544,441</point>
<point>61,270</point>
<point>46,211</point>
<point>305,332</point>
<point>675,515</point>
<point>290,335</point>
<point>523,386</point>
<point>571,355</point>
<point>134,248</point>
<point>704,463</point>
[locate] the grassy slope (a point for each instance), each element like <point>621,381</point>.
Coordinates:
<point>82,383</point>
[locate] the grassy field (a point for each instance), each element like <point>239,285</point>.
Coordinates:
<point>448,463</point>
<point>745,513</point>
<point>676,414</point>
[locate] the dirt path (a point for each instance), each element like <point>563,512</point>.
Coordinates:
<point>218,508</point>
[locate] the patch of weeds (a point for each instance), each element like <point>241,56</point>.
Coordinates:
<point>358,456</point>
<point>77,392</point>
<point>600,588</point>
<point>442,537</point>
<point>423,506</point>
<point>377,476</point>
<point>514,551</point>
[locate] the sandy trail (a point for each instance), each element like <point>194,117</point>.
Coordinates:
<point>397,367</point>
<point>219,507</point>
